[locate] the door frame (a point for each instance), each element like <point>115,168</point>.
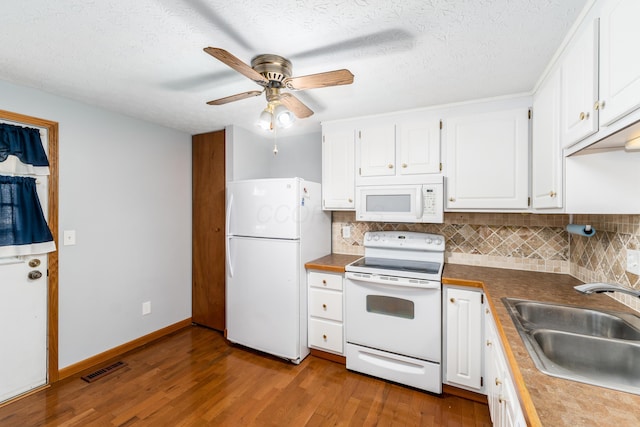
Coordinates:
<point>52,219</point>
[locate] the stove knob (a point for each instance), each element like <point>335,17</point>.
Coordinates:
<point>368,236</point>
<point>438,241</point>
<point>428,240</point>
<point>376,237</point>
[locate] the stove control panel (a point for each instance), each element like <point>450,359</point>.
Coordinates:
<point>410,240</point>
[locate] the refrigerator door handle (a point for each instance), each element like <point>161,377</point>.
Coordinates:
<point>228,239</point>
<point>228,257</point>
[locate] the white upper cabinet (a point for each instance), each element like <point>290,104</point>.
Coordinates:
<point>338,167</point>
<point>397,149</point>
<point>546,151</point>
<point>418,146</point>
<point>579,70</point>
<point>487,160</point>
<point>619,64</point>
<point>377,145</point>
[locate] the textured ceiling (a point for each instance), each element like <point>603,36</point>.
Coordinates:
<point>144,58</point>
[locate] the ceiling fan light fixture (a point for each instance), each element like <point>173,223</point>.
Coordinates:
<point>265,120</point>
<point>283,117</point>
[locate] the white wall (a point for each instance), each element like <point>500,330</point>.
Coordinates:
<point>125,187</point>
<point>250,155</point>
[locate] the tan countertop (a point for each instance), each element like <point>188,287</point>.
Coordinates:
<point>332,262</point>
<point>546,400</point>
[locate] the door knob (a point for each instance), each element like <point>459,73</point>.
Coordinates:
<point>34,275</point>
<point>34,263</point>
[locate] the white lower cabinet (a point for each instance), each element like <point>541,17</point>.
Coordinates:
<point>326,311</point>
<point>463,338</point>
<point>502,397</point>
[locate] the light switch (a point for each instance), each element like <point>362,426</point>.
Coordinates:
<point>69,237</point>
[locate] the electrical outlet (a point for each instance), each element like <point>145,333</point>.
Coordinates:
<point>633,261</point>
<point>146,308</point>
<point>69,237</point>
<point>346,231</point>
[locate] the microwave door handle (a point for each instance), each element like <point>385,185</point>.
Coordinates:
<point>419,202</point>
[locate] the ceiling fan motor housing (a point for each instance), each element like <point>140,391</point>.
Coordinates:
<point>274,68</point>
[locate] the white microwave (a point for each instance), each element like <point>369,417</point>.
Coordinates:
<point>401,203</point>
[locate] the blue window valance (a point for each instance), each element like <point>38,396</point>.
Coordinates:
<point>21,151</point>
<point>23,228</point>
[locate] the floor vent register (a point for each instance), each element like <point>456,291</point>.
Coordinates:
<point>103,372</point>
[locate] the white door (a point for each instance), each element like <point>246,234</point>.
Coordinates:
<point>264,208</point>
<point>580,87</point>
<point>263,295</point>
<point>418,143</point>
<point>546,151</point>
<point>23,316</point>
<point>338,168</point>
<point>377,149</point>
<point>463,337</point>
<point>619,68</point>
<point>488,160</point>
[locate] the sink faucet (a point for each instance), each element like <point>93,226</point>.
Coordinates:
<point>589,288</point>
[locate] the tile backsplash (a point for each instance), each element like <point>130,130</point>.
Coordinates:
<point>521,242</point>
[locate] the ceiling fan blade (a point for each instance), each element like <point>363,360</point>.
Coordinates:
<point>312,81</point>
<point>233,62</point>
<point>236,97</point>
<point>295,106</point>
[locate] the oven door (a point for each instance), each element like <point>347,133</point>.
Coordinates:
<point>399,319</point>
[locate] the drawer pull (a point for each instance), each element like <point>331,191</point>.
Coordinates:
<point>324,306</point>
<point>324,337</point>
<point>324,282</point>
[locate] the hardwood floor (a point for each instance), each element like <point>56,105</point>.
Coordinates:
<point>195,378</point>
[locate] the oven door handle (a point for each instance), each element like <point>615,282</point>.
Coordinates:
<point>392,282</point>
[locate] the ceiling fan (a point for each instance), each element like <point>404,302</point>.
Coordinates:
<point>273,73</point>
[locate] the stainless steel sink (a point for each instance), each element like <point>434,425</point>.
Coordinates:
<point>591,346</point>
<point>579,320</point>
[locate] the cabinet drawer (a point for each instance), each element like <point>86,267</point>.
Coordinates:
<point>325,304</point>
<point>325,280</point>
<point>325,335</point>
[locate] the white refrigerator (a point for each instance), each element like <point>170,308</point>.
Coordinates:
<point>274,226</point>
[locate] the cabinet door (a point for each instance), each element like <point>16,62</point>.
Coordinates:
<point>619,65</point>
<point>464,337</point>
<point>579,71</point>
<point>418,144</point>
<point>546,162</point>
<point>338,169</point>
<point>488,160</point>
<point>377,145</point>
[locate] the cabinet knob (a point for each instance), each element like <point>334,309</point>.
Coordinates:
<point>34,275</point>
<point>581,115</point>
<point>552,193</point>
<point>324,337</point>
<point>324,282</point>
<point>599,105</point>
<point>501,399</point>
<point>350,200</point>
<point>404,165</point>
<point>453,300</point>
<point>324,306</point>
<point>390,166</point>
<point>489,343</point>
<point>452,199</point>
<point>498,382</point>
